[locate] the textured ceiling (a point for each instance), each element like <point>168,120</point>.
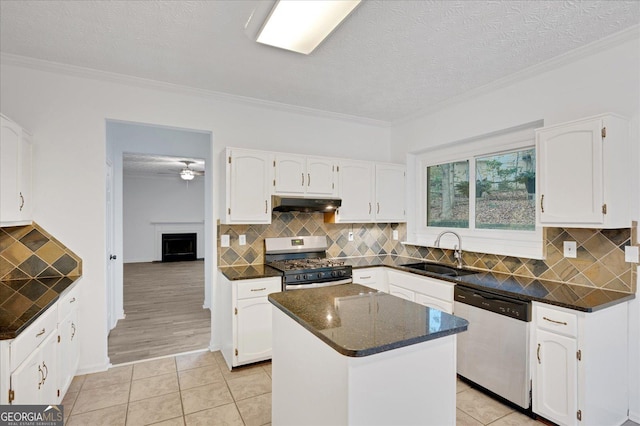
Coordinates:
<point>158,165</point>
<point>389,60</point>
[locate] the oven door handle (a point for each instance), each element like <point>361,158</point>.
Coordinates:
<point>320,284</point>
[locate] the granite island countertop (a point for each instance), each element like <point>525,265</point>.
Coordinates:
<point>577,297</point>
<point>22,301</point>
<point>359,321</point>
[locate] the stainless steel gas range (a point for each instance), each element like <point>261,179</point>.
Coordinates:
<point>303,263</point>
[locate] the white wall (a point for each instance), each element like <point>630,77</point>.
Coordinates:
<point>148,201</point>
<point>67,111</point>
<point>607,80</point>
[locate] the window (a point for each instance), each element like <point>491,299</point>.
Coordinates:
<point>448,195</point>
<point>484,189</point>
<point>505,191</point>
<point>504,194</point>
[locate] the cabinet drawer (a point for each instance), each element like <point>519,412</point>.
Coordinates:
<point>68,302</point>
<point>32,336</point>
<point>557,321</point>
<point>257,288</point>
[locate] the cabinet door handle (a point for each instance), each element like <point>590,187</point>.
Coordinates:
<point>366,278</point>
<point>554,321</point>
<point>72,300</point>
<point>259,289</point>
<point>378,210</point>
<point>46,372</point>
<point>21,201</point>
<point>538,354</point>
<point>41,381</point>
<point>542,203</point>
<point>308,179</point>
<point>73,330</point>
<point>302,179</point>
<point>369,208</point>
<point>265,206</point>
<point>40,333</point>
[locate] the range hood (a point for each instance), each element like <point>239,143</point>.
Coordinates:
<point>307,205</point>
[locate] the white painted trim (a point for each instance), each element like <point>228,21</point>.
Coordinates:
<point>94,368</point>
<point>631,33</point>
<point>82,72</point>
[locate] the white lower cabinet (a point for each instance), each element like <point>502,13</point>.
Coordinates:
<point>579,365</point>
<point>35,379</point>
<point>245,319</point>
<point>68,331</point>
<point>427,291</point>
<point>371,277</point>
<point>38,366</point>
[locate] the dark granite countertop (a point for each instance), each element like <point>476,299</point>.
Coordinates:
<point>342,317</point>
<point>566,295</point>
<point>22,301</point>
<point>248,272</point>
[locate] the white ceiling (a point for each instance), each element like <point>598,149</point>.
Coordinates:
<point>158,165</point>
<point>389,60</point>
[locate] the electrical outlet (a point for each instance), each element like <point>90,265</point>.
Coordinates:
<point>224,240</point>
<point>242,240</point>
<point>395,234</point>
<point>569,249</point>
<point>350,236</point>
<point>631,254</point>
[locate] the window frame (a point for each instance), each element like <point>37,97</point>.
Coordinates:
<point>517,243</point>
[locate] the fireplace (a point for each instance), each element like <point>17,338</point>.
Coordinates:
<point>179,247</point>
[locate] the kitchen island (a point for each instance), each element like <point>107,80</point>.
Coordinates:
<point>349,355</point>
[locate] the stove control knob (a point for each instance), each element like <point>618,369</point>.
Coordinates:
<point>334,273</point>
<point>320,274</point>
<point>305,277</point>
<point>341,273</point>
<point>297,277</point>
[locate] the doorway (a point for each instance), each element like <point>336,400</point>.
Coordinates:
<point>159,308</point>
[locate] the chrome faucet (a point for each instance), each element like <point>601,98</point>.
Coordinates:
<point>457,249</point>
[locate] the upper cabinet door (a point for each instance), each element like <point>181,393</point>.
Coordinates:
<point>356,190</point>
<point>300,175</point>
<point>321,176</point>
<point>583,169</point>
<point>390,193</point>
<point>248,176</point>
<point>290,173</point>
<point>15,174</point>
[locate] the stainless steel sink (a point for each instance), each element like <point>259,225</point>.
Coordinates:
<point>438,269</point>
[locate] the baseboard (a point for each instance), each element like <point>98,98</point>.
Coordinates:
<point>95,368</point>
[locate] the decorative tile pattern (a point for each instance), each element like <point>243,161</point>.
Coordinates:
<point>30,252</point>
<point>599,262</point>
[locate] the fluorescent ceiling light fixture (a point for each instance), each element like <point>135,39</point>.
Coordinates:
<point>301,25</point>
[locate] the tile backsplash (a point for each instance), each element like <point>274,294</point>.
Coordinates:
<point>31,252</point>
<point>599,262</point>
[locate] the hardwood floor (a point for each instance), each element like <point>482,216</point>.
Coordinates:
<point>164,314</point>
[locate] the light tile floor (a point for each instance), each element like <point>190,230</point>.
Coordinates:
<point>199,389</point>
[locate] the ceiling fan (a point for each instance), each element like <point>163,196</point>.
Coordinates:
<point>187,173</point>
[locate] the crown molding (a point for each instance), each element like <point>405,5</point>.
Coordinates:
<point>629,34</point>
<point>90,73</point>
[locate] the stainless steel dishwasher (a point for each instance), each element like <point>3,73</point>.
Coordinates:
<point>494,351</point>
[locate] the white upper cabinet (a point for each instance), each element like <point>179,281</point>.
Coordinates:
<point>371,192</point>
<point>302,175</point>
<point>15,174</point>
<point>390,193</point>
<point>356,181</point>
<point>584,170</point>
<point>247,179</point>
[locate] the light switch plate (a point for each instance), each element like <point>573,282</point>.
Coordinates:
<point>569,249</point>
<point>631,254</point>
<point>395,234</point>
<point>242,240</point>
<point>224,240</point>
